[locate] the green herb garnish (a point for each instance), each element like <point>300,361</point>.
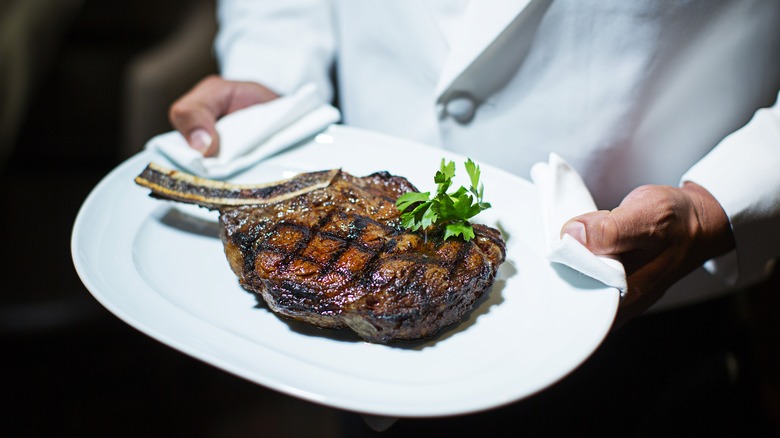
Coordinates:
<point>453,210</point>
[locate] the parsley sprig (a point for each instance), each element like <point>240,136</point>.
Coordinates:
<point>453,210</point>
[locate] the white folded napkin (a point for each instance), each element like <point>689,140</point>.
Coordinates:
<point>564,195</point>
<point>251,134</point>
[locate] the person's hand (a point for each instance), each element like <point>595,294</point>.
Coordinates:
<point>196,113</point>
<point>660,233</point>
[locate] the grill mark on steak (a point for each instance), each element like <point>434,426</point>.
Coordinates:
<point>335,255</point>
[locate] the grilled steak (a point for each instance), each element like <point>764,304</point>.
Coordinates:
<point>327,248</point>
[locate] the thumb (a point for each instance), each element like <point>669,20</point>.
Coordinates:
<point>195,114</point>
<point>204,140</point>
<point>606,232</point>
<point>197,123</point>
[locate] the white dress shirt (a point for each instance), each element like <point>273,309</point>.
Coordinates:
<point>629,93</point>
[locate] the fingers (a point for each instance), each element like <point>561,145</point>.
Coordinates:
<point>643,219</point>
<point>195,114</point>
<point>661,234</point>
<point>605,232</point>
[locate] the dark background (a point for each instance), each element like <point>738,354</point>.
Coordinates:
<point>99,77</point>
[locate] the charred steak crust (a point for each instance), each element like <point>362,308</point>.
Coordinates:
<point>337,257</point>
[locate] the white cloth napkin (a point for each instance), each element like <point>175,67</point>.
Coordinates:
<point>251,134</point>
<point>564,195</point>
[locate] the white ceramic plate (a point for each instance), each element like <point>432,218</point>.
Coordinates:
<point>160,267</point>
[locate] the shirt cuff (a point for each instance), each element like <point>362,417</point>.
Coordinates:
<point>742,174</point>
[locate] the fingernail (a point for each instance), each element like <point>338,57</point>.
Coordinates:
<point>200,140</point>
<point>576,230</point>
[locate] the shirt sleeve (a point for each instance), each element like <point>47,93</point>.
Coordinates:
<point>280,44</point>
<point>743,174</point>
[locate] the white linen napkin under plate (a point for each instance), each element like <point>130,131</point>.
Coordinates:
<point>563,195</point>
<point>249,135</point>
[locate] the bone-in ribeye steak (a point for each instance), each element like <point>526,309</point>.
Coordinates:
<point>327,248</point>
